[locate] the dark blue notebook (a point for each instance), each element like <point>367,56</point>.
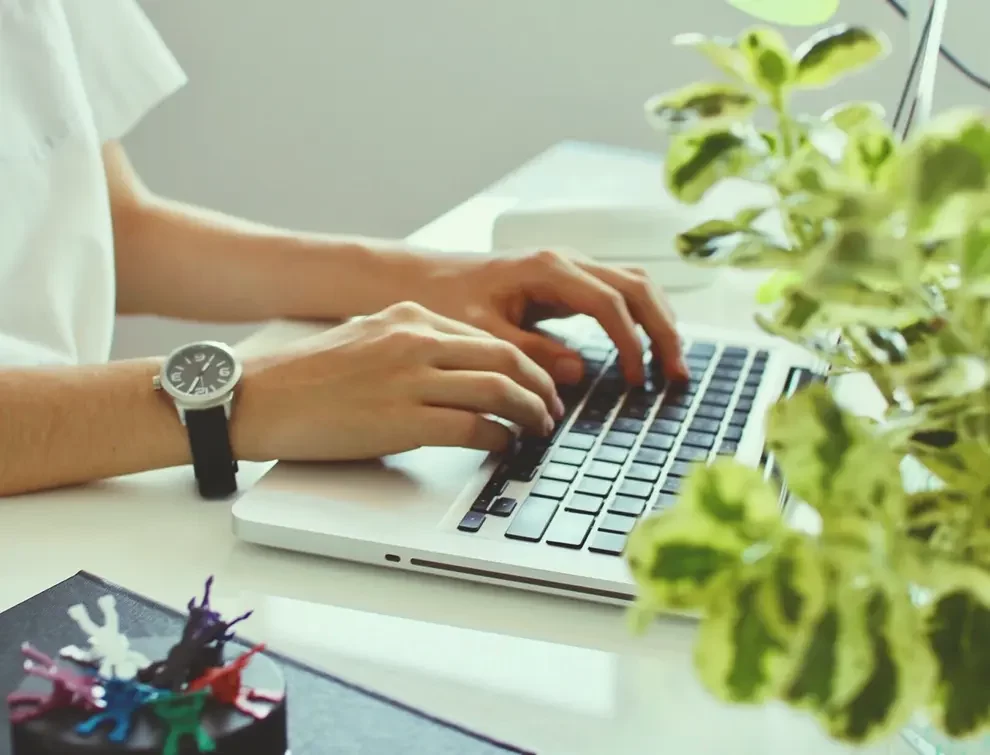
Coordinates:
<point>327,716</point>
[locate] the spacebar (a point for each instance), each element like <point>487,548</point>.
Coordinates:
<point>532,519</point>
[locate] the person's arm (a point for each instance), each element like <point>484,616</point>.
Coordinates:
<point>62,426</point>
<point>175,260</point>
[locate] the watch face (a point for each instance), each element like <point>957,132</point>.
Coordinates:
<point>200,370</point>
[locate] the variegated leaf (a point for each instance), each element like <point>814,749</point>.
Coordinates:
<point>789,12</point>
<point>678,558</point>
<point>734,495</point>
<point>940,377</point>
<point>774,288</point>
<point>869,154</point>
<point>836,52</point>
<point>957,462</point>
<point>888,670</point>
<point>724,242</point>
<point>770,62</point>
<point>936,516</point>
<point>958,625</point>
<point>810,171</point>
<point>794,593</point>
<point>850,115</point>
<point>699,159</point>
<point>830,458</point>
<point>740,656</point>
<point>704,101</point>
<point>723,52</point>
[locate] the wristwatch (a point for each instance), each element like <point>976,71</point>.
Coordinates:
<point>200,378</point>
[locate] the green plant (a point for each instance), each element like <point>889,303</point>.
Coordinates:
<point>791,12</point>
<point>886,610</point>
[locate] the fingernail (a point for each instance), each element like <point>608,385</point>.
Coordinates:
<point>558,407</point>
<point>567,370</point>
<point>548,426</point>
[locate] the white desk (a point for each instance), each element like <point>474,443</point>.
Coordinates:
<point>555,675</point>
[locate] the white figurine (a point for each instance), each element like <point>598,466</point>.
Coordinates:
<point>108,648</point>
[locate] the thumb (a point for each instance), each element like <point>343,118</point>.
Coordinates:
<point>564,365</point>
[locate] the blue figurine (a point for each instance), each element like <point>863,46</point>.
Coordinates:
<point>123,698</point>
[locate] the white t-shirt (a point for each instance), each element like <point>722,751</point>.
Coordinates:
<point>73,75</point>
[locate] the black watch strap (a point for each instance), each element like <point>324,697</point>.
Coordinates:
<point>213,459</point>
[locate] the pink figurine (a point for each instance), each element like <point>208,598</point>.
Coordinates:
<point>226,684</point>
<point>69,688</point>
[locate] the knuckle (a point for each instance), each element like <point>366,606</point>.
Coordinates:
<point>639,272</point>
<point>547,259</point>
<point>501,388</point>
<point>405,311</point>
<point>610,298</point>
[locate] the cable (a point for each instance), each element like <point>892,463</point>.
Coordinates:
<point>911,74</point>
<point>952,59</point>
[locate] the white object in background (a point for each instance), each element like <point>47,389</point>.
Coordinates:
<point>634,235</point>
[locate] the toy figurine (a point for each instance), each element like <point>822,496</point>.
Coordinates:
<point>227,686</point>
<point>201,647</point>
<point>69,688</point>
<point>108,648</point>
<point>181,714</point>
<point>122,697</point>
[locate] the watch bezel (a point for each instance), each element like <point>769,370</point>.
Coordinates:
<point>205,400</point>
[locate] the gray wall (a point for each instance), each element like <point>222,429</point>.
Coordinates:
<point>374,116</point>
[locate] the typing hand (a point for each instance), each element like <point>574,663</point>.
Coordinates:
<point>500,294</point>
<point>387,383</point>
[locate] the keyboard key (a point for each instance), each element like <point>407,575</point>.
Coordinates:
<point>585,504</point>
<point>471,522</point>
<point>550,489</point>
<point>627,506</point>
<point>701,349</point>
<point>635,411</point>
<point>628,425</point>
<point>651,456</point>
<point>578,441</point>
<point>703,425</point>
<point>753,379</point>
<point>728,448</point>
<point>722,386</point>
<point>744,405</point>
<point>727,373</point>
<point>761,357</point>
<point>658,442</point>
<point>733,433</point>
<point>680,469</point>
<point>645,472</point>
<point>503,506</point>
<point>666,427</point>
<point>735,352</point>
<point>561,472</point>
<point>532,519</point>
<point>481,504</point>
<point>587,426</point>
<point>569,456</point>
<point>636,489</point>
<point>612,454</point>
<point>672,485</point>
<point>664,501</point>
<point>594,486</point>
<point>697,365</point>
<point>701,440</point>
<point>683,400</point>
<point>569,529</point>
<point>607,543</point>
<point>677,413</point>
<point>710,412</point>
<point>603,469</point>
<point>617,523</point>
<point>716,399</point>
<point>595,413</point>
<point>731,361</point>
<point>738,419</point>
<point>622,440</point>
<point>691,453</point>
<point>748,391</point>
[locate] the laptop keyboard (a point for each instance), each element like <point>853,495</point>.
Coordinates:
<point>620,452</point>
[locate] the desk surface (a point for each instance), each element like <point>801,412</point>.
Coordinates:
<point>552,674</point>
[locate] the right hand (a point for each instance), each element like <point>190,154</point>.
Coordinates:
<point>394,381</point>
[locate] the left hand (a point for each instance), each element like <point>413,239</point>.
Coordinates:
<point>500,294</point>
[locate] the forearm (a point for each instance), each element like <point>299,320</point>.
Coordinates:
<point>65,426</point>
<point>178,261</point>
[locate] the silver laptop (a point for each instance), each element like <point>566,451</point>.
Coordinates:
<point>553,516</point>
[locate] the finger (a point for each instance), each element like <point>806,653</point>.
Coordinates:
<point>564,365</point>
<point>650,313</point>
<point>496,356</point>
<point>414,315</point>
<point>438,426</point>
<point>554,280</point>
<point>487,393</point>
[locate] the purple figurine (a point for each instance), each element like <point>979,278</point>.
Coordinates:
<point>69,688</point>
<point>200,648</point>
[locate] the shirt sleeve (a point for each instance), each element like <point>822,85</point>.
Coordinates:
<point>125,65</point>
